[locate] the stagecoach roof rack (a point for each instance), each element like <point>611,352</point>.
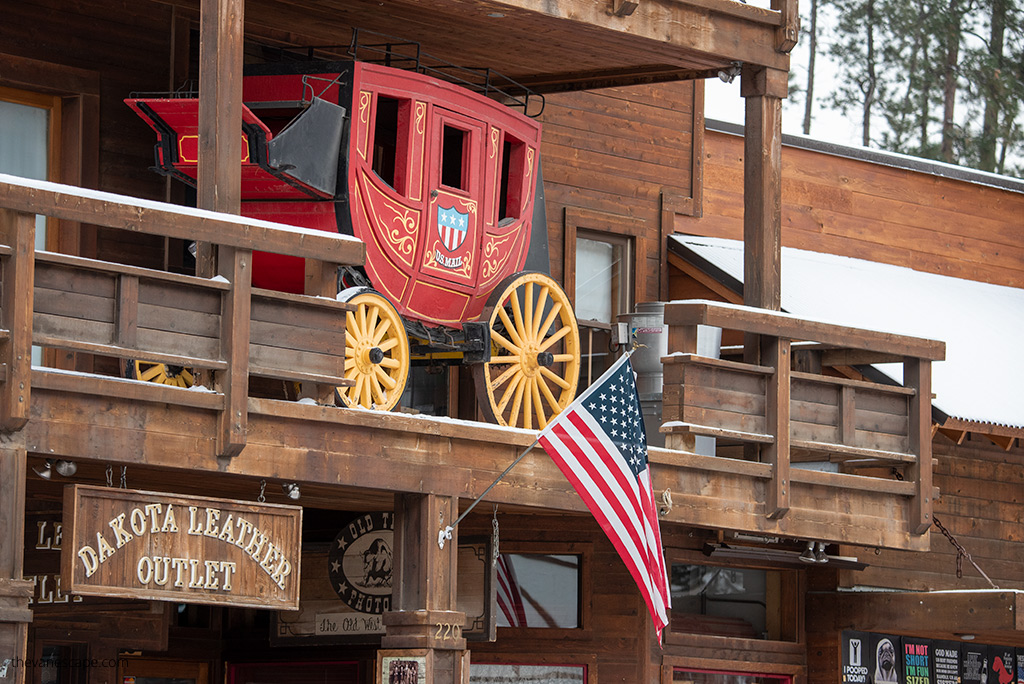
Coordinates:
<point>404,54</point>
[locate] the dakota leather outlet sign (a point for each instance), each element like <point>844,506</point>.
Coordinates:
<point>187,549</point>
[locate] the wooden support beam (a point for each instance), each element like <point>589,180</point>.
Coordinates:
<point>235,265</point>
<point>917,373</point>
<point>776,352</point>
<point>17,230</point>
<point>424,623</point>
<point>219,183</point>
<point>15,592</point>
<point>764,90</point>
<point>321,281</point>
<point>126,333</point>
<point>787,34</point>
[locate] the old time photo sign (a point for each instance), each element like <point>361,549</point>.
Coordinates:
<point>148,545</point>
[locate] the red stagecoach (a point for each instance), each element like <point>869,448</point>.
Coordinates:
<point>438,172</point>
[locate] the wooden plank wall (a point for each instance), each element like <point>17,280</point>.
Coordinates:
<point>127,46</point>
<point>614,153</point>
<point>980,504</point>
<point>871,211</point>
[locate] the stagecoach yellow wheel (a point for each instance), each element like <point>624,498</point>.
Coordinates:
<point>535,352</point>
<point>160,373</point>
<point>376,352</point>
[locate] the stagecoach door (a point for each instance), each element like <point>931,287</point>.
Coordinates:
<point>454,213</point>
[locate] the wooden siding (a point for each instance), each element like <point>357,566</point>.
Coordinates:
<point>613,154</point>
<point>871,211</point>
<point>981,505</point>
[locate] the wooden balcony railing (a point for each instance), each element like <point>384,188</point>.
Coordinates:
<point>784,416</point>
<point>221,324</point>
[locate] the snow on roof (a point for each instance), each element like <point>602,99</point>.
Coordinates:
<point>982,324</point>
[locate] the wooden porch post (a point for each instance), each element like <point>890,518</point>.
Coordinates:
<point>764,89</point>
<point>15,591</point>
<point>219,189</point>
<point>424,625</point>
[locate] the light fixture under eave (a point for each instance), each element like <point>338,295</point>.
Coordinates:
<point>291,490</point>
<point>807,555</point>
<point>66,468</point>
<point>729,74</point>
<point>63,468</point>
<point>777,557</point>
<point>45,471</point>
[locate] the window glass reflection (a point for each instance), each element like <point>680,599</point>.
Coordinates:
<point>538,590</point>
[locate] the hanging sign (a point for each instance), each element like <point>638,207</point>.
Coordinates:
<point>148,545</point>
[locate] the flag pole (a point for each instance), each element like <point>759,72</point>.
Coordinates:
<point>446,533</point>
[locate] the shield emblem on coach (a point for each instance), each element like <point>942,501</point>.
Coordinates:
<point>452,226</point>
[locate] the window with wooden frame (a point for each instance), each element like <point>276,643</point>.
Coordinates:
<point>734,601</point>
<point>600,275</point>
<point>544,586</point>
<point>29,140</point>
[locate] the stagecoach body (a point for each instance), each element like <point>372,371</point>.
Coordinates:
<point>441,183</point>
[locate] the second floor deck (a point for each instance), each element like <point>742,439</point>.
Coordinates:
<point>224,437</point>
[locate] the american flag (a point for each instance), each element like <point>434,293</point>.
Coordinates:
<point>599,444</point>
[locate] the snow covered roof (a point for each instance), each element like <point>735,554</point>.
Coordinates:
<point>982,378</point>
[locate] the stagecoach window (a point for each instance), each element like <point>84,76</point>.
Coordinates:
<point>390,136</point>
<point>454,151</point>
<point>513,165</point>
<point>538,590</point>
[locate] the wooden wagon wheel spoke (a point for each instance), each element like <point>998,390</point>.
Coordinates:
<point>562,332</point>
<point>511,329</point>
<point>557,379</point>
<point>509,393</point>
<point>548,394</point>
<point>376,351</point>
<point>538,405</point>
<point>503,378</point>
<point>532,375</point>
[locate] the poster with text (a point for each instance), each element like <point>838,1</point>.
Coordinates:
<point>974,663</point>
<point>886,665</point>
<point>946,662</point>
<point>917,656</point>
<point>855,658</point>
<point>1001,665</point>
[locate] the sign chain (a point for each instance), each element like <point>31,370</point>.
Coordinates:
<point>961,552</point>
<point>494,536</point>
<point>124,477</point>
<point>263,488</point>
<point>110,475</point>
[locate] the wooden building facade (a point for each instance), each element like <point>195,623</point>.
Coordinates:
<point>108,278</point>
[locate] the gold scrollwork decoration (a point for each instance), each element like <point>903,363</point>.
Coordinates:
<point>421,117</point>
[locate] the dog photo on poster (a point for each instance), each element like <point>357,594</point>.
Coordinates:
<point>885,668</point>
